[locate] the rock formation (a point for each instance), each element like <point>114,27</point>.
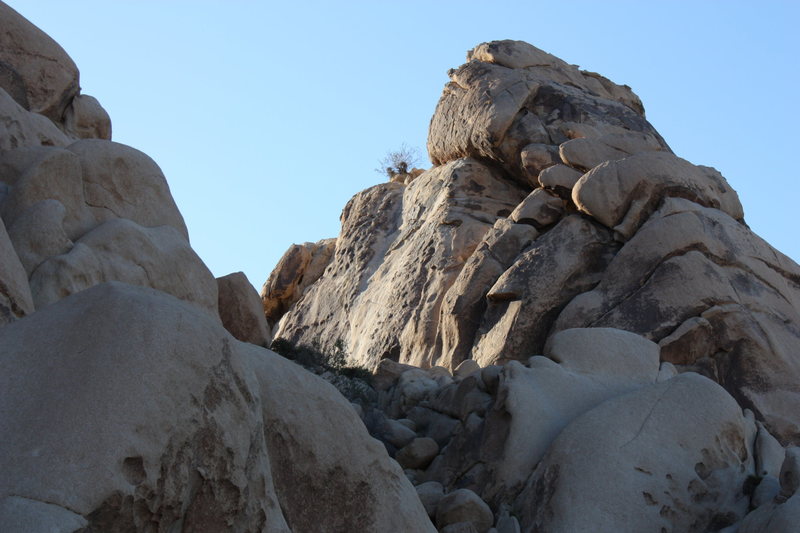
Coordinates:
<point>579,319</point>
<point>125,405</point>
<point>568,328</point>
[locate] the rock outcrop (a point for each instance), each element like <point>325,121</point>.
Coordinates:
<point>125,405</point>
<point>602,342</point>
<point>561,326</point>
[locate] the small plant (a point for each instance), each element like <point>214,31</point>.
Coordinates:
<point>351,380</point>
<point>398,162</point>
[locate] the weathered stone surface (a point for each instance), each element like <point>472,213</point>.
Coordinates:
<point>511,95</point>
<point>240,310</point>
<point>121,250</point>
<point>585,153</point>
<point>418,453</point>
<point>16,300</point>
<point>142,361</point>
<point>774,518</point>
<point>559,177</point>
<point>49,76</point>
<point>769,454</point>
<point>397,434</point>
<point>230,411</point>
<point>675,455</point>
<point>539,209</point>
<point>535,404</point>
<point>300,266</point>
<point>35,174</point>
<point>122,182</point>
<point>418,252</point>
<point>622,194</point>
<point>463,505</point>
<point>85,118</point>
<point>329,474</point>
<point>21,515</point>
<point>703,286</point>
<point>790,471</point>
<point>564,262</point>
<point>430,494</point>
<point>607,352</point>
<point>20,128</point>
<point>38,234</point>
<point>465,301</point>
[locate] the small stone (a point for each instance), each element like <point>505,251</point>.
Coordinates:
<point>466,368</point>
<point>559,176</point>
<point>396,433</point>
<point>539,209</point>
<point>463,505</point>
<point>430,493</point>
<point>418,453</point>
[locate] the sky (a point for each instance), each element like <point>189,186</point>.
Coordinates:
<point>267,117</point>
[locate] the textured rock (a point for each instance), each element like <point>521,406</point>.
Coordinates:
<point>240,310</point>
<point>535,404</point>
<point>463,505</point>
<point>504,100</point>
<point>409,263</point>
<point>142,362</point>
<point>539,209</point>
<point>230,409</point>
<point>122,182</point>
<point>586,153</point>
<point>430,494</point>
<point>298,269</point>
<point>523,303</point>
<point>19,128</point>
<point>622,194</point>
<point>707,289</point>
<point>465,301</point>
<point>48,75</point>
<point>559,177</point>
<point>775,518</point>
<point>21,515</point>
<point>418,453</point>
<point>121,250</point>
<point>605,352</point>
<point>16,300</point>
<point>675,455</point>
<point>85,118</point>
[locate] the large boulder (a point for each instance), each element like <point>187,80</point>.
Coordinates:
<point>148,412</point>
<point>299,267</point>
<point>673,456</point>
<point>240,310</point>
<point>46,78</point>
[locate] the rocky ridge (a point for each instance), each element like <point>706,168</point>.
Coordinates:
<point>569,329</point>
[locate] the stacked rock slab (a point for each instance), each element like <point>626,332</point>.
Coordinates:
<point>614,231</point>
<point>125,405</point>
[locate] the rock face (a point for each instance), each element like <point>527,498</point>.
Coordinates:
<point>608,346</point>
<point>613,231</point>
<point>125,404</point>
<point>571,329</point>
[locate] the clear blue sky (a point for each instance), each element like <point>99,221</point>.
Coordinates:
<point>267,117</point>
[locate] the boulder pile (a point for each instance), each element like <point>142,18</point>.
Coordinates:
<point>563,317</point>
